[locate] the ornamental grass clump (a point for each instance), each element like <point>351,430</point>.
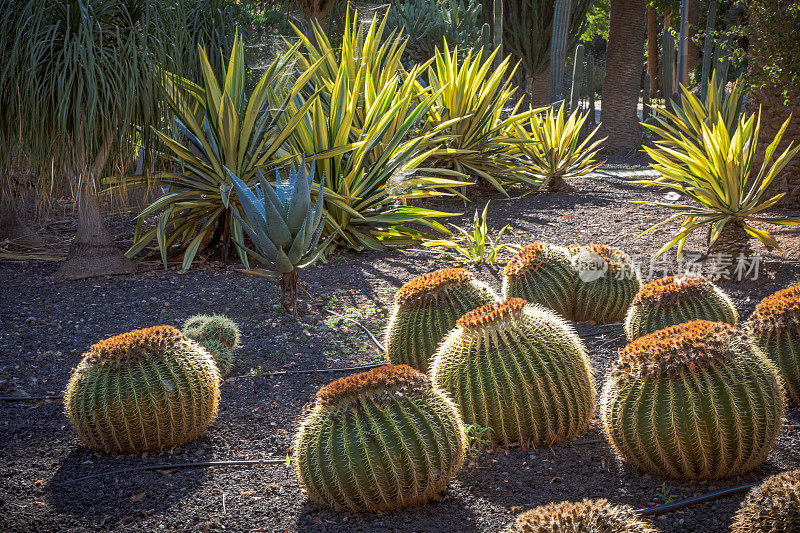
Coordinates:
<point>216,333</point>
<point>607,283</point>
<point>426,309</point>
<point>588,516</point>
<point>772,507</point>
<point>775,326</point>
<point>380,440</point>
<point>542,273</point>
<point>143,391</point>
<point>694,401</point>
<point>674,300</point>
<point>520,370</point>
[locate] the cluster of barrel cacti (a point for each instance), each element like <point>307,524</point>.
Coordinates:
<point>218,334</point>
<point>588,516</point>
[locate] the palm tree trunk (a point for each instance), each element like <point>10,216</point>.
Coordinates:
<point>733,241</point>
<point>694,53</point>
<point>652,50</point>
<point>93,251</point>
<point>11,226</point>
<point>620,121</point>
<point>538,88</point>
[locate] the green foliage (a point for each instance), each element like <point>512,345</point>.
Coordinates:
<point>477,438</point>
<point>142,391</point>
<point>554,148</point>
<point>696,401</point>
<point>717,175</point>
<point>542,273</point>
<point>588,516</point>
<point>674,300</point>
<point>478,245</point>
<point>666,496</point>
<point>426,309</point>
<point>772,506</point>
<point>519,369</point>
<point>597,21</point>
<point>772,34</point>
<point>607,283</point>
<point>222,133</point>
<point>378,441</point>
<point>216,333</point>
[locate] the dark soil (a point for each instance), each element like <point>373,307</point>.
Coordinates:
<point>46,326</point>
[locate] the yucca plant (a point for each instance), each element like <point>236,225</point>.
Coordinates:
<point>283,225</point>
<point>553,147</point>
<point>368,166</point>
<point>771,507</point>
<point>717,175</point>
<point>222,131</point>
<point>474,246</point>
<point>471,96</point>
<point>588,516</point>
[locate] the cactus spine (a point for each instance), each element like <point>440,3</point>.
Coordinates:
<point>695,401</point>
<point>142,391</point>
<point>588,516</point>
<point>674,300</point>
<point>607,283</point>
<point>426,309</point>
<point>577,79</point>
<point>542,273</point>
<point>775,326</point>
<point>772,507</point>
<point>216,333</point>
<point>378,441</point>
<point>520,370</point>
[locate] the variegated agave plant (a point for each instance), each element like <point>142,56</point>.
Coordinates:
<point>282,224</point>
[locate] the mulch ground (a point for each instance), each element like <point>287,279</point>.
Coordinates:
<point>45,326</point>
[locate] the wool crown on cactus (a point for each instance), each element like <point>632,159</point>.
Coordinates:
<point>143,391</point>
<point>775,326</point>
<point>520,370</point>
<point>607,283</point>
<point>542,273</point>
<point>772,507</point>
<point>588,516</point>
<point>694,401</point>
<point>426,309</point>
<point>674,300</point>
<point>216,333</point>
<point>379,440</point>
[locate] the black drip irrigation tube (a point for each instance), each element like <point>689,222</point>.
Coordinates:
<point>172,466</point>
<point>670,507</point>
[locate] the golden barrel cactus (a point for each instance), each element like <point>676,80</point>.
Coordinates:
<point>218,334</point>
<point>542,274</point>
<point>674,300</point>
<point>775,326</point>
<point>588,516</point>
<point>519,369</point>
<point>380,440</point>
<point>143,391</point>
<point>607,283</point>
<point>694,401</point>
<point>772,507</point>
<point>426,309</point>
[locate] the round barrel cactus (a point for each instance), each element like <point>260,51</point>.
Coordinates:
<point>379,440</point>
<point>772,507</point>
<point>775,326</point>
<point>588,516</point>
<point>218,334</point>
<point>674,300</point>
<point>607,283</point>
<point>542,274</point>
<point>426,309</point>
<point>694,401</point>
<point>143,391</point>
<point>519,369</point>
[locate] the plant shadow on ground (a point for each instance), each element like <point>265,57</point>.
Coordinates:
<point>118,499</point>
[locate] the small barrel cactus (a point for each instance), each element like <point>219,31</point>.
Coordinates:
<point>675,300</point>
<point>379,440</point>
<point>607,283</point>
<point>426,309</point>
<point>518,369</point>
<point>772,507</point>
<point>542,274</point>
<point>218,334</point>
<point>694,401</point>
<point>143,391</point>
<point>775,326</point>
<point>588,516</point>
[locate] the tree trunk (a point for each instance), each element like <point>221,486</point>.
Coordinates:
<point>733,242</point>
<point>11,226</point>
<point>93,251</point>
<point>538,88</point>
<point>289,292</point>
<point>618,111</point>
<point>652,50</point>
<point>694,53</point>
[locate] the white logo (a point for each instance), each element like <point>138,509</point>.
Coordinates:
<point>591,266</point>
